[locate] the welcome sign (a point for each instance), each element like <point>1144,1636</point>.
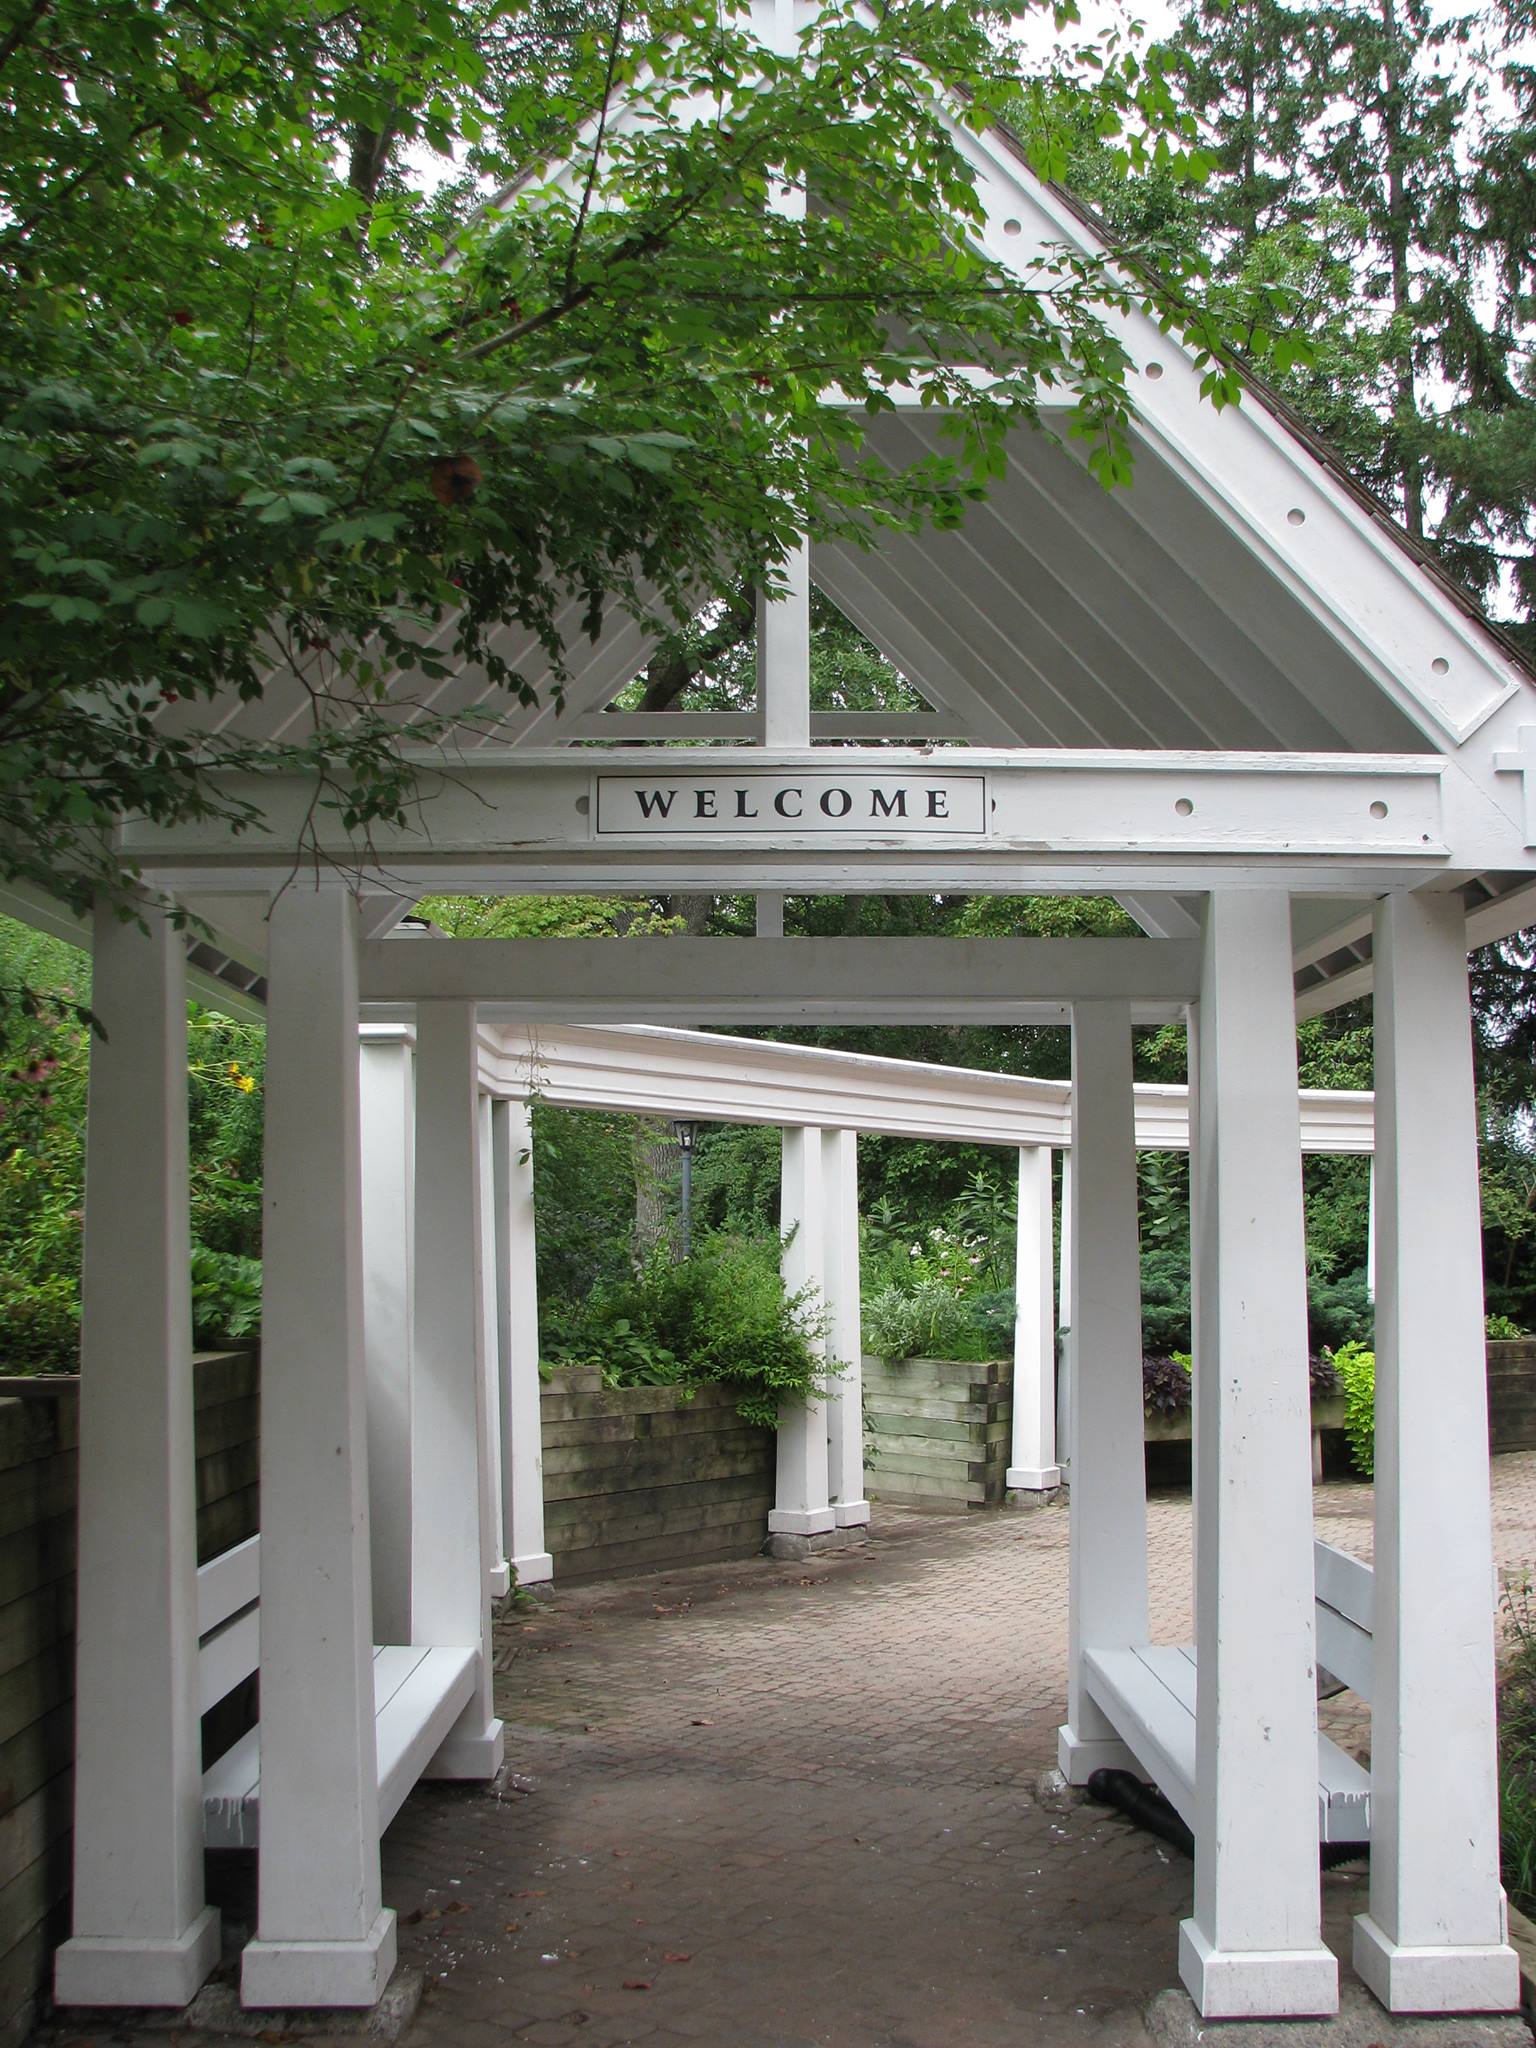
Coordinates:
<point>862,803</point>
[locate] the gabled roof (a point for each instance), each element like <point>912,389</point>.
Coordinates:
<point>1244,593</point>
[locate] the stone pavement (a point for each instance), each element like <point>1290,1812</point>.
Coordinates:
<point>774,1805</point>
<point>771,1805</point>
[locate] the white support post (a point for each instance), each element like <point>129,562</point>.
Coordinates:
<point>142,1933</point>
<point>493,1503</point>
<point>450,1596</point>
<point>845,1394</point>
<point>769,917</point>
<point>388,1149</point>
<point>517,1339</point>
<point>1107,1597</point>
<point>1253,1946</point>
<point>1434,1939</point>
<point>1033,1467</point>
<point>1064,1321</point>
<point>323,1936</point>
<point>1370,1230</point>
<point>802,1507</point>
<point>784,657</point>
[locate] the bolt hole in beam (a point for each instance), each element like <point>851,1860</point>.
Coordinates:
<point>1153,370</point>
<point>1440,665</point>
<point>1378,809</point>
<point>1296,516</point>
<point>1184,807</point>
<point>1013,227</point>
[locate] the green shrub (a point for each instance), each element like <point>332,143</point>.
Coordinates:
<point>1356,1370</point>
<point>39,1326</point>
<point>1501,1328</point>
<point>926,1320</point>
<point>1517,1749</point>
<point>719,1318</point>
<point>226,1296</point>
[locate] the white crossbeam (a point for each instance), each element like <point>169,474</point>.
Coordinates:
<point>766,981</point>
<point>1094,818</point>
<point>647,1071</point>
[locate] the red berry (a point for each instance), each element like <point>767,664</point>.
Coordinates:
<point>182,317</point>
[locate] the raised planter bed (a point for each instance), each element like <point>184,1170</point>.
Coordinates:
<point>637,1478</point>
<point>937,1432</point>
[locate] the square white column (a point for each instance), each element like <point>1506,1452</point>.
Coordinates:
<point>493,1504</point>
<point>845,1394</point>
<point>803,1506</point>
<point>450,1596</point>
<point>1434,1939</point>
<point>1107,1597</point>
<point>1033,1467</point>
<point>517,1339</point>
<point>323,1936</point>
<point>388,1109</point>
<point>142,1934</point>
<point>1253,1946</point>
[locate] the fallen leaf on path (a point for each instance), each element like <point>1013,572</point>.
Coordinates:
<point>703,1722</point>
<point>677,1957</point>
<point>637,1983</point>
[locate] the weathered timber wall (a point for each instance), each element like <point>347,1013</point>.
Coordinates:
<point>1512,1393</point>
<point>636,1478</point>
<point>38,1439</point>
<point>937,1433</point>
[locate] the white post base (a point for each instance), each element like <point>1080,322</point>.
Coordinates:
<point>130,1971</point>
<point>498,1580</point>
<point>851,1514</point>
<point>1252,1984</point>
<point>465,1757</point>
<point>801,1521</point>
<point>534,1568</point>
<point>1032,1478</point>
<point>1078,1756</point>
<point>1485,1979</point>
<point>285,1975</point>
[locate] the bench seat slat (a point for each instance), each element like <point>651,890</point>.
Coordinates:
<point>227,1583</point>
<point>1148,1694</point>
<point>418,1695</point>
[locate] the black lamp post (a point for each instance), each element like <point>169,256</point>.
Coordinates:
<point>685,1133</point>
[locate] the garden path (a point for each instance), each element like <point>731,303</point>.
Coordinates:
<point>797,1804</point>
<point>772,1805</point>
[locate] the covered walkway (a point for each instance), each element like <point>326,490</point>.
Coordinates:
<point>817,1783</point>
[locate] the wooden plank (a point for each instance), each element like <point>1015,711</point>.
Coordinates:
<point>413,1722</point>
<point>231,1815</point>
<point>1345,1584</point>
<point>1345,1650</point>
<point>1140,1691</point>
<point>228,1657</point>
<point>228,1583</point>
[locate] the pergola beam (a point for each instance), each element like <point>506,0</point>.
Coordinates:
<point>892,981</point>
<point>851,818</point>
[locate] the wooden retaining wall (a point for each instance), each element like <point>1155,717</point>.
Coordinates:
<point>38,1439</point>
<point>1512,1393</point>
<point>640,1477</point>
<point>937,1433</point>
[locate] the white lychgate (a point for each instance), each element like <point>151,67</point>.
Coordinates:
<point>1231,695</point>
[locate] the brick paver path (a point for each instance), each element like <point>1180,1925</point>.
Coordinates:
<point>769,1806</point>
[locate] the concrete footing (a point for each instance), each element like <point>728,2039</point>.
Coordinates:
<point>1360,2022</point>
<point>1027,1497</point>
<point>783,1545</point>
<point>216,2014</point>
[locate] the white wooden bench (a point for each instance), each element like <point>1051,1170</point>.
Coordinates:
<point>418,1695</point>
<point>1149,1695</point>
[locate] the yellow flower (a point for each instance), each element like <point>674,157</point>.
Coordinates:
<point>234,1068</point>
<point>247,1084</point>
